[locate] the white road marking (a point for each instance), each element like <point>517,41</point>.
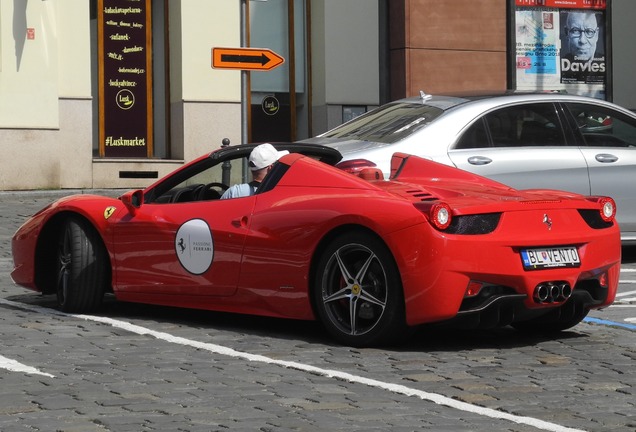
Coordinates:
<point>622,300</point>
<point>329,373</point>
<point>15,366</point>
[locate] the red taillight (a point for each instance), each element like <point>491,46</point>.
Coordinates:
<point>608,209</point>
<point>441,216</point>
<point>603,280</point>
<point>354,166</point>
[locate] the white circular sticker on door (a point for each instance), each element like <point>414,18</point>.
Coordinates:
<point>194,246</point>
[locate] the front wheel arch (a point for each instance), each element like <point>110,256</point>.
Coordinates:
<point>46,250</point>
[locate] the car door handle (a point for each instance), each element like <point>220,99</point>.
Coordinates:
<point>606,158</point>
<point>479,160</point>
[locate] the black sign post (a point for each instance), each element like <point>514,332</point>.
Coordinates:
<point>125,78</point>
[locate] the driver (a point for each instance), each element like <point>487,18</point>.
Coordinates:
<point>261,160</point>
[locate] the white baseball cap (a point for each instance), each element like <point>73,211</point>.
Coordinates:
<point>264,155</point>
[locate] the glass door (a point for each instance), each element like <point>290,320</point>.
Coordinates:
<point>280,103</point>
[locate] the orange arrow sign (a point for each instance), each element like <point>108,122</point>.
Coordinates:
<point>260,59</point>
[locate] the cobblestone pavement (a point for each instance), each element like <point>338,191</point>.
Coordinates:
<point>145,368</point>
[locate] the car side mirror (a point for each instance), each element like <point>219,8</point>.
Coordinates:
<point>133,200</point>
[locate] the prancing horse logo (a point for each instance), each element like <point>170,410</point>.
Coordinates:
<point>547,221</point>
<point>108,212</point>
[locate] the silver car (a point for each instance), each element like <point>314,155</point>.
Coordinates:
<point>545,140</point>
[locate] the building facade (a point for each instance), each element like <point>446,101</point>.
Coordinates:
<point>117,93</point>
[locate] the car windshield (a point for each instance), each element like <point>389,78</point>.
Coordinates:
<point>387,124</point>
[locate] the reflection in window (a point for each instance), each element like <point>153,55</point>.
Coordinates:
<point>603,127</point>
<point>388,124</point>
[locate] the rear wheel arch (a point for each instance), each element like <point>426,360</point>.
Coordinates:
<point>385,292</point>
<point>330,237</point>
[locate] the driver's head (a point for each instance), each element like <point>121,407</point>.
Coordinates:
<point>264,156</point>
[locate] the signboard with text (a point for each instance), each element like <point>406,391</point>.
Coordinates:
<point>125,79</point>
<point>560,45</point>
<point>563,4</point>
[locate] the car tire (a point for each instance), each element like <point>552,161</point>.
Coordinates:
<point>81,267</point>
<point>358,291</point>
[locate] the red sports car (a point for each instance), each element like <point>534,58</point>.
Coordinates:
<point>366,256</point>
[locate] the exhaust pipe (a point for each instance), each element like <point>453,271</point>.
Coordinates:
<point>555,293</point>
<point>552,292</point>
<point>565,291</point>
<point>541,293</point>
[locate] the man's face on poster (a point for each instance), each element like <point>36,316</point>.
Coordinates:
<point>582,31</point>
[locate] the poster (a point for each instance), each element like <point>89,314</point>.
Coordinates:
<point>537,48</point>
<point>560,46</point>
<point>125,128</point>
<point>582,51</point>
<point>563,4</point>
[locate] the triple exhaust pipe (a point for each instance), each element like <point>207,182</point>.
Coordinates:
<point>552,292</point>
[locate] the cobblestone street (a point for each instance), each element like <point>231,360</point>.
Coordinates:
<point>135,368</point>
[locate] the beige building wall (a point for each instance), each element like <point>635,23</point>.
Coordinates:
<point>211,98</point>
<point>44,95</point>
<point>46,101</point>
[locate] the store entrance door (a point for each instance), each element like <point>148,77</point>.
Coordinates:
<point>280,101</point>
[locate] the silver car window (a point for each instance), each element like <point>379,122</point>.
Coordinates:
<point>603,127</point>
<point>387,124</point>
<point>524,125</point>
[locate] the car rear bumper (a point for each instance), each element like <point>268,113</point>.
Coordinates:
<point>438,269</point>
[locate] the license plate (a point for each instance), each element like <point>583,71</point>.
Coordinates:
<point>541,258</point>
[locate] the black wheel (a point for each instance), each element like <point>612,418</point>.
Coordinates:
<point>81,267</point>
<point>563,318</point>
<point>358,291</point>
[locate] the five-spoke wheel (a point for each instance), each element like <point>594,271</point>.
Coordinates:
<point>358,292</point>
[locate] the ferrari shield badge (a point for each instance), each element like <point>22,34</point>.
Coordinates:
<point>547,221</point>
<point>109,211</point>
<point>194,246</point>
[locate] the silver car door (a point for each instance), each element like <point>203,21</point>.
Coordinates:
<point>522,146</point>
<point>609,147</point>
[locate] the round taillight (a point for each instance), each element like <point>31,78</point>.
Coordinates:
<point>441,216</point>
<point>608,209</point>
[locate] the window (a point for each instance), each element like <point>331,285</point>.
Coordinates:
<point>516,126</point>
<point>204,181</point>
<point>475,137</point>
<point>280,99</point>
<point>388,124</point>
<point>603,127</point>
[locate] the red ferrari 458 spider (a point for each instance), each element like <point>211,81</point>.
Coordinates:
<point>368,257</point>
